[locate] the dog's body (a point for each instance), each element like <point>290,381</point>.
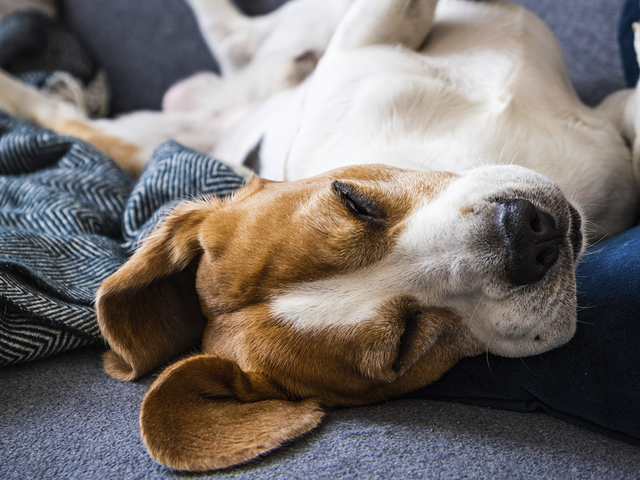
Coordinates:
<point>361,283</point>
<point>484,84</point>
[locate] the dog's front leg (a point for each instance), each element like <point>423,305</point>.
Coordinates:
<point>129,139</point>
<point>236,40</point>
<point>622,108</point>
<point>392,22</point>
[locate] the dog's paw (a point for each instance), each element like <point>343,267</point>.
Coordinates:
<point>192,93</point>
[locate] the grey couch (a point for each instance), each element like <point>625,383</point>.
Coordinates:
<point>63,417</point>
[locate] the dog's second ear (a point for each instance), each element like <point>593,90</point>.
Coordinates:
<point>148,311</point>
<point>205,413</point>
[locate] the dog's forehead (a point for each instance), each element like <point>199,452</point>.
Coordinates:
<point>398,192</point>
<point>395,189</point>
<point>393,179</point>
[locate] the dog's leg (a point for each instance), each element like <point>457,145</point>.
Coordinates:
<point>24,101</point>
<point>129,140</point>
<point>296,27</point>
<point>50,112</point>
<point>258,56</point>
<point>393,22</point>
<point>622,108</point>
<point>230,35</point>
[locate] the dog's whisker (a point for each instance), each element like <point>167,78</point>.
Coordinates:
<point>586,307</point>
<point>513,159</point>
<point>436,157</point>
<point>490,335</point>
<point>471,165</point>
<point>504,147</point>
<point>527,366</point>
<point>488,362</point>
<point>477,155</point>
<point>586,323</point>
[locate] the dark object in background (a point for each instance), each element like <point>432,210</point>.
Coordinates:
<point>143,50</point>
<point>44,53</point>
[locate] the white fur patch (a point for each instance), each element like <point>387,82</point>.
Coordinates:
<point>343,300</point>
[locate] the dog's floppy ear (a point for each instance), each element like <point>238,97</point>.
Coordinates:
<point>205,413</point>
<point>148,311</point>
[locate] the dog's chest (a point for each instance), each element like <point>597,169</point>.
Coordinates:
<point>446,106</point>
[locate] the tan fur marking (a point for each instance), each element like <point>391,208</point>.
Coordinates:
<point>126,155</point>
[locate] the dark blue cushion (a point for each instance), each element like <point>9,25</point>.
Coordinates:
<point>630,14</point>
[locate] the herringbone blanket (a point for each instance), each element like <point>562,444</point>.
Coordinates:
<point>69,217</point>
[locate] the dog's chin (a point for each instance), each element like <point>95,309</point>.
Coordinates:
<point>531,343</point>
<point>529,322</point>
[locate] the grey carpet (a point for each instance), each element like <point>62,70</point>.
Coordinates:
<point>65,418</point>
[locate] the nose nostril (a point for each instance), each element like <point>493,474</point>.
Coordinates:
<point>530,239</point>
<point>536,224</point>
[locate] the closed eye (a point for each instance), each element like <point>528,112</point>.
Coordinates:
<point>362,206</point>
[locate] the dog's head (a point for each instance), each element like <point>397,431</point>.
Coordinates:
<point>344,289</point>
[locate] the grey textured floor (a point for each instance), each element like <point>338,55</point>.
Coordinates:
<point>65,418</point>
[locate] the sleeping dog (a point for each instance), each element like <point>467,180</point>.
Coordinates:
<point>437,160</point>
<point>347,288</point>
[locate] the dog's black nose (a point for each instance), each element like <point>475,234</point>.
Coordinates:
<point>530,238</point>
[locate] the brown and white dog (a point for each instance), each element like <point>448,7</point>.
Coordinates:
<point>348,288</point>
<point>350,285</point>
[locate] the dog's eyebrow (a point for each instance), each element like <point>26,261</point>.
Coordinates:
<point>361,205</point>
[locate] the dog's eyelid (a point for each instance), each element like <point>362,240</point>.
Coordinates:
<point>358,203</point>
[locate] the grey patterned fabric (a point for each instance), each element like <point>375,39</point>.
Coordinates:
<point>69,217</point>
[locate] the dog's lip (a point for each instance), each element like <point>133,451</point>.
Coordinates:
<point>527,344</point>
<point>576,238</point>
